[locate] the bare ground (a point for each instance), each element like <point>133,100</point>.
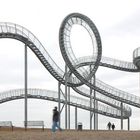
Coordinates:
<point>38,134</point>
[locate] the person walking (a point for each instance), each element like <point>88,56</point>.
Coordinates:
<point>113,126</point>
<point>109,125</point>
<point>55,119</point>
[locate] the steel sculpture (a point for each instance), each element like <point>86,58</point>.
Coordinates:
<point>75,75</point>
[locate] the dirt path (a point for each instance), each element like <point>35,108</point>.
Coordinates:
<point>68,135</point>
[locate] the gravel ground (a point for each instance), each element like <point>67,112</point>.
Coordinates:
<point>38,134</point>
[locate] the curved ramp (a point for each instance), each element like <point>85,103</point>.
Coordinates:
<point>74,101</point>
<point>81,73</point>
<point>82,76</point>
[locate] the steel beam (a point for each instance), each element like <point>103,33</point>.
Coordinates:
<point>128,124</point>
<point>91,101</point>
<point>66,79</point>
<point>91,113</point>
<point>69,108</point>
<point>95,107</point>
<point>25,88</point>
<point>121,116</point>
<point>59,103</point>
<point>75,118</point>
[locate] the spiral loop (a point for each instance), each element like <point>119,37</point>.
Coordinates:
<point>66,49</point>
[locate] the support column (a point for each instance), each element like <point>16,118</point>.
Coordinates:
<point>75,118</point>
<point>95,107</point>
<point>128,124</point>
<point>69,108</point>
<point>121,116</point>
<point>25,88</point>
<point>66,79</point>
<point>59,103</point>
<point>96,116</point>
<point>91,113</point>
<point>91,101</point>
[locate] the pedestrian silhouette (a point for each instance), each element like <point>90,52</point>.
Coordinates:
<point>113,126</point>
<point>55,119</point>
<point>109,125</point>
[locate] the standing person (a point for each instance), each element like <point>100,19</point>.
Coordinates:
<point>109,125</point>
<point>55,120</point>
<point>113,126</point>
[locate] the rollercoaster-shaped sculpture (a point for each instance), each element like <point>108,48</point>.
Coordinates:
<point>77,74</point>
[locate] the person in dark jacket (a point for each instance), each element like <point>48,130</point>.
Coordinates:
<point>109,125</point>
<point>55,120</point>
<point>113,126</point>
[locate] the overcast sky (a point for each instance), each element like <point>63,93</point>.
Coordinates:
<point>119,25</point>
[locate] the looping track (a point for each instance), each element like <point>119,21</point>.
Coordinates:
<point>105,93</point>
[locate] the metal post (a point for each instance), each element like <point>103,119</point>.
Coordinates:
<point>26,82</point>
<point>91,113</point>
<point>69,108</point>
<point>59,103</point>
<point>128,124</point>
<point>76,118</point>
<point>95,107</point>
<point>139,81</point>
<point>96,116</point>
<point>91,100</point>
<point>66,78</point>
<point>121,116</point>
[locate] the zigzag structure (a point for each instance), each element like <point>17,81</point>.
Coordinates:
<point>79,73</point>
